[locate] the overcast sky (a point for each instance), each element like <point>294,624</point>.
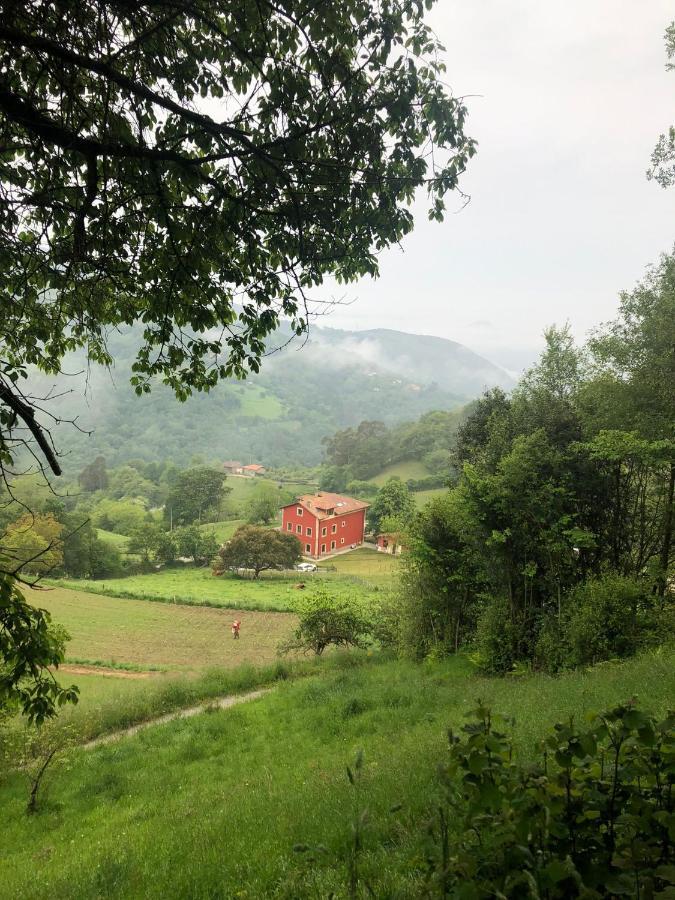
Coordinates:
<point>573,96</point>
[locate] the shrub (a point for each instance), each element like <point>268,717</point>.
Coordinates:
<point>593,819</point>
<point>326,621</point>
<point>499,637</point>
<point>609,617</point>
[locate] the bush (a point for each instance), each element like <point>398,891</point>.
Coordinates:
<point>427,483</point>
<point>609,617</point>
<point>326,621</point>
<point>593,819</point>
<point>499,638</point>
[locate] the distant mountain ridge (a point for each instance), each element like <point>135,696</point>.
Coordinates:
<point>425,358</point>
<point>304,392</point>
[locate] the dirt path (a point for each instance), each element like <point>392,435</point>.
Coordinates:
<point>100,670</point>
<point>216,703</point>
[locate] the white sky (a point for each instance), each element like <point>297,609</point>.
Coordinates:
<point>573,96</point>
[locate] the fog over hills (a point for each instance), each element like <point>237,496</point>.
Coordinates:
<point>305,391</point>
<point>416,357</point>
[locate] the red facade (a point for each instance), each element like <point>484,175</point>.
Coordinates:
<point>325,524</point>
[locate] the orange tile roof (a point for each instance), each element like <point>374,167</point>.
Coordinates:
<point>254,466</point>
<point>319,504</point>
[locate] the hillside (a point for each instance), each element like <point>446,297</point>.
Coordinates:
<point>176,811</point>
<point>304,392</point>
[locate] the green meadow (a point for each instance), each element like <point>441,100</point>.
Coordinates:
<point>212,806</point>
<point>409,468</point>
<point>362,570</point>
<point>160,636</point>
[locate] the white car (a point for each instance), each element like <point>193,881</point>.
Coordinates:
<point>306,567</point>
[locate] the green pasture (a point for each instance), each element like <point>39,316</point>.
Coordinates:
<point>365,563</point>
<point>362,570</point>
<point>119,541</point>
<point>241,490</point>
<point>409,468</point>
<point>223,530</point>
<point>423,497</point>
<point>255,401</point>
<point>212,806</point>
<point>165,636</point>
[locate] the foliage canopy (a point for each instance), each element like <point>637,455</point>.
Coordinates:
<point>163,163</point>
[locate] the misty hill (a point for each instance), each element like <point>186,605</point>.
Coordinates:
<point>415,357</point>
<point>304,392</point>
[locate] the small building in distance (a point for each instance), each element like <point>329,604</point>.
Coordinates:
<point>325,523</point>
<point>389,543</point>
<point>253,470</point>
<point>232,467</point>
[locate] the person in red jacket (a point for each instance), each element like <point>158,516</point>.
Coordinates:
<point>236,625</point>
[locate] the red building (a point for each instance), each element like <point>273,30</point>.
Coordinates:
<point>325,523</point>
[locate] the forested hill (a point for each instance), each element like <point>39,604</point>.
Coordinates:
<point>279,417</point>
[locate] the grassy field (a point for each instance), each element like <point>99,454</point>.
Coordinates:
<point>119,541</point>
<point>212,806</point>
<point>410,468</point>
<point>362,569</point>
<point>241,489</point>
<point>257,402</point>
<point>423,497</point>
<point>167,636</point>
<point>373,567</point>
<point>223,530</point>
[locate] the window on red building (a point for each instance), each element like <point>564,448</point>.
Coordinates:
<point>324,532</point>
<point>289,526</point>
<point>298,528</point>
<point>323,548</point>
<point>308,548</point>
<point>299,510</point>
<point>333,529</point>
<point>332,545</point>
<point>309,531</point>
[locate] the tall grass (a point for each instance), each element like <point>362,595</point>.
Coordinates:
<point>212,806</point>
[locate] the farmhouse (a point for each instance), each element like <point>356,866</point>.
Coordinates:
<point>253,469</point>
<point>232,467</point>
<point>389,543</point>
<point>325,523</point>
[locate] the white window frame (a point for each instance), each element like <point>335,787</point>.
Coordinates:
<point>333,545</point>
<point>299,510</point>
<point>323,548</point>
<point>324,531</point>
<point>342,540</point>
<point>298,529</point>
<point>308,531</point>
<point>343,523</point>
<point>308,548</point>
<point>289,526</point>
<point>333,529</point>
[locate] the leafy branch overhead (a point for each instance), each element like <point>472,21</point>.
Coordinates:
<point>201,166</point>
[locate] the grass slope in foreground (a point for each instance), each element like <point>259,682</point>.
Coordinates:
<point>212,806</point>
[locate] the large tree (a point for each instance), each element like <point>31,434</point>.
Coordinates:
<point>258,549</point>
<point>393,501</point>
<point>197,493</point>
<point>200,166</point>
<point>165,161</point>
